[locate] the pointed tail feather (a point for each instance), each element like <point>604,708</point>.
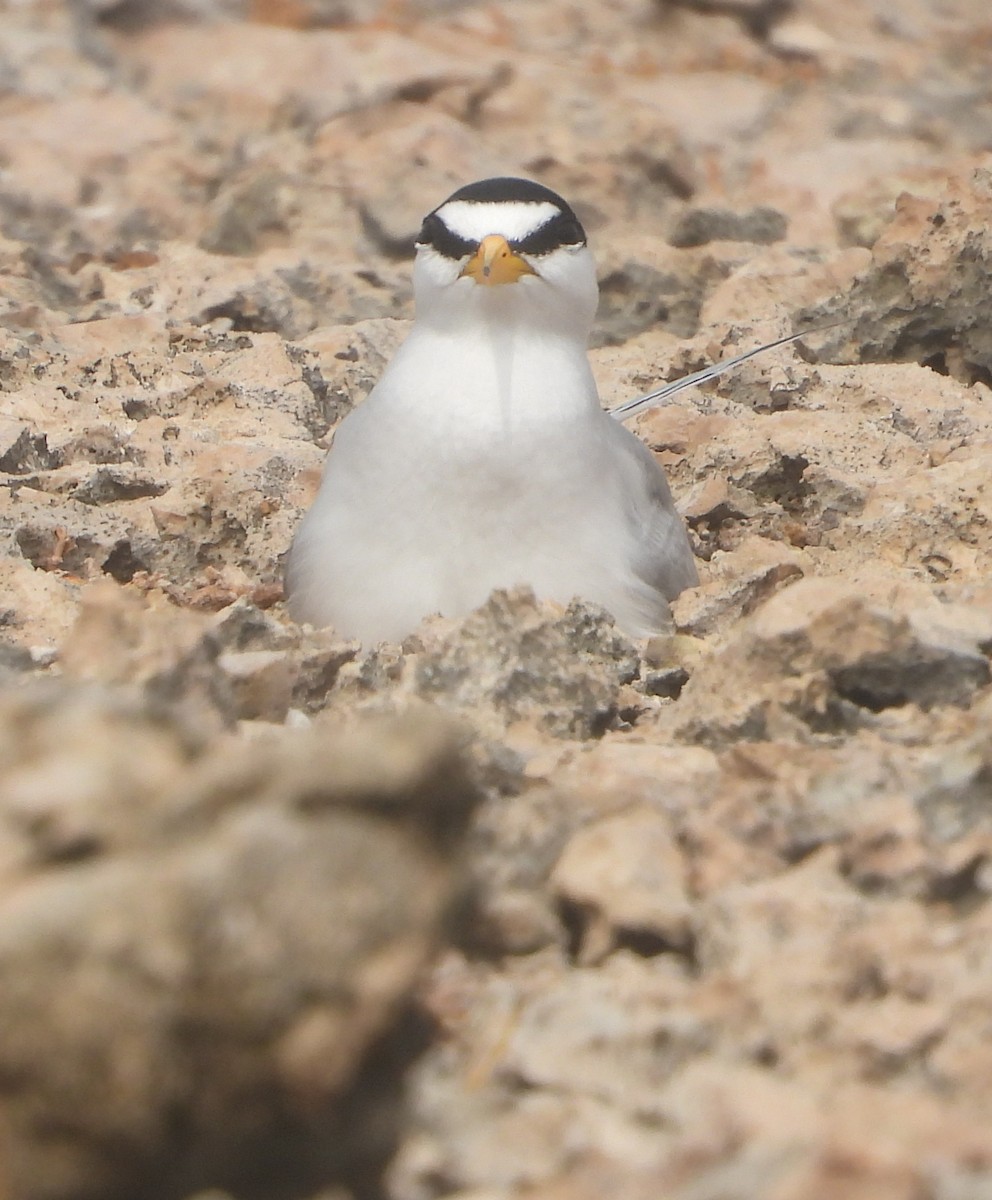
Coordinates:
<point>640,404</point>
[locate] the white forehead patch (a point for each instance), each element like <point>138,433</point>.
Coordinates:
<point>514,219</point>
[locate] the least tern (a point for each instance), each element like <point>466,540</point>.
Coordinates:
<point>483,458</point>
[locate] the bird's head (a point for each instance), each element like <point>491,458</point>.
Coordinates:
<point>510,248</point>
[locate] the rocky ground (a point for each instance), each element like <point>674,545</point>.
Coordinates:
<point>518,908</point>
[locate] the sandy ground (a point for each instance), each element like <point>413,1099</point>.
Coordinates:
<point>719,926</point>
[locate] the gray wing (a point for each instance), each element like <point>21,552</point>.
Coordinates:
<point>663,557</point>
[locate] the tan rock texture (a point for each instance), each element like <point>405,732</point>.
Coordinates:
<point>518,909</point>
<point>205,942</point>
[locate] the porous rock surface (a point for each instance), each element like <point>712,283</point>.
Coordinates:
<point>517,908</point>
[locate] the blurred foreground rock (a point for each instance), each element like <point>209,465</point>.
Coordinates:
<point>209,950</point>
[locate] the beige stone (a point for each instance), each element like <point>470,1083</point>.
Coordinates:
<point>624,875</point>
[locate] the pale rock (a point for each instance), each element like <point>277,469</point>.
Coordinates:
<point>22,449</point>
<point>680,431</point>
<point>698,226</point>
<point>564,1036</point>
<point>256,69</point>
<point>623,877</point>
<point>716,500</point>
<point>391,204</point>
<point>756,936</point>
<point>935,250</point>
<point>863,213</point>
<point>54,145</point>
<point>887,849</point>
<point>512,920</point>
<point>821,650</point>
<point>890,1030</point>
<point>940,519</point>
<point>803,39</point>
<point>61,534</point>
<point>38,607</point>
<point>123,638</point>
<point>200,895</point>
<point>736,581</point>
<point>744,1097</point>
<point>516,659</point>
<point>92,340</point>
<point>261,682</point>
<point>773,282</point>
<point>683,101</point>
<point>349,360</point>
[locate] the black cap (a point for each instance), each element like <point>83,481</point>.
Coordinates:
<point>550,231</point>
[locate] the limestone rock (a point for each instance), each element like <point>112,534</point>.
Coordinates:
<point>698,226</point>
<point>624,878</point>
<point>930,261</point>
<point>214,930</point>
<point>822,652</point>
<point>526,661</point>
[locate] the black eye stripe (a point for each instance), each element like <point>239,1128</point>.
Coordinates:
<point>435,233</point>
<point>561,230</point>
